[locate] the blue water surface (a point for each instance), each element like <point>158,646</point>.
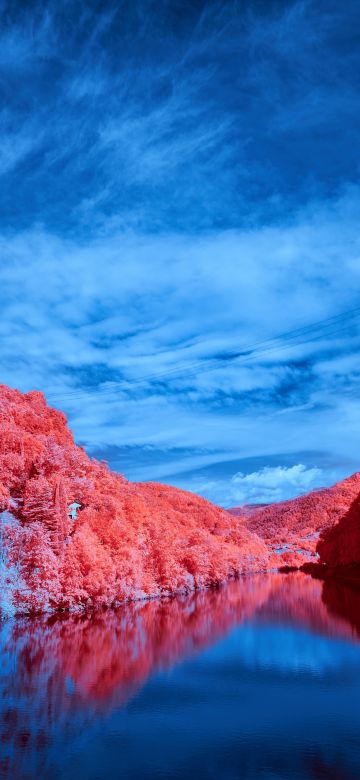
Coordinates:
<point>259,679</point>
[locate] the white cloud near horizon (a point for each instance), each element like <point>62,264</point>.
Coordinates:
<point>273,484</point>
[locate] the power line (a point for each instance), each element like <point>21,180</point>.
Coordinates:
<point>315,331</point>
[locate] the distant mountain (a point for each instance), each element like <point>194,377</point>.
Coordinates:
<point>292,529</point>
<point>74,535</point>
<point>246,510</point>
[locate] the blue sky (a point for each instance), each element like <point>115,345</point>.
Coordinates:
<point>179,235</point>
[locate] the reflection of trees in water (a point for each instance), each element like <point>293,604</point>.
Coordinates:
<point>57,673</point>
<point>301,600</point>
<point>343,601</point>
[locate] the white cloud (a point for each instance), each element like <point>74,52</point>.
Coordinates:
<point>273,484</point>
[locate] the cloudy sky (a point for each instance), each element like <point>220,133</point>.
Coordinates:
<point>179,230</point>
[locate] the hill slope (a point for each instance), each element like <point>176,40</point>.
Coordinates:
<point>339,546</point>
<point>292,529</point>
<point>126,541</point>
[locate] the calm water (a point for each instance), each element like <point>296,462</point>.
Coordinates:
<point>258,680</point>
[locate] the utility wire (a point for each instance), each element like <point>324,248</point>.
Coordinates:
<point>315,331</point>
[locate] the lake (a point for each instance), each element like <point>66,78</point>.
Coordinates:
<point>258,679</point>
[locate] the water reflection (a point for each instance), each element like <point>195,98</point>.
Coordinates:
<point>61,680</point>
<point>343,601</point>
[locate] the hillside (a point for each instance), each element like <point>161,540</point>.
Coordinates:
<point>339,546</point>
<point>291,529</point>
<point>74,535</point>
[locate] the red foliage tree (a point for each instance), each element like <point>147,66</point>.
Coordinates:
<point>339,546</point>
<point>292,529</point>
<point>128,541</point>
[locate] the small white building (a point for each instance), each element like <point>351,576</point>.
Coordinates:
<point>73,509</point>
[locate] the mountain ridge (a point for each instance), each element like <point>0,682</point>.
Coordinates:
<point>294,530</point>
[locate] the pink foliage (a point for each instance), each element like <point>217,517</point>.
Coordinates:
<point>291,529</point>
<point>128,541</point>
<point>340,546</point>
